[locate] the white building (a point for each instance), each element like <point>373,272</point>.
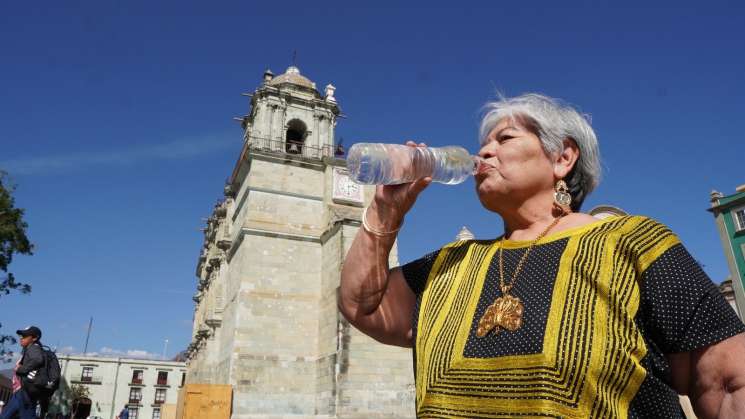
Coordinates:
<point>142,385</point>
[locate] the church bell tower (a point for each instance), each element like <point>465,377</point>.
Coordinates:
<point>289,115</point>
<point>266,319</point>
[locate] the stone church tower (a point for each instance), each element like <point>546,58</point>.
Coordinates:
<point>266,319</point>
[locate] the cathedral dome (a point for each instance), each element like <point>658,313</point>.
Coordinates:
<point>292,76</point>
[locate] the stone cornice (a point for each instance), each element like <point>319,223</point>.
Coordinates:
<point>321,238</point>
<point>244,197</point>
<point>299,160</point>
<point>268,92</point>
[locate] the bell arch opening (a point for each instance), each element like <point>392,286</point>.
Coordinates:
<point>295,136</point>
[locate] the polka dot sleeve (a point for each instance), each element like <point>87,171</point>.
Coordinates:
<point>681,308</point>
<point>417,271</point>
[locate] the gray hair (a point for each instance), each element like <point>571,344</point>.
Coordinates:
<point>553,122</point>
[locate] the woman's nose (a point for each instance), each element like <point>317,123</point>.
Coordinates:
<point>487,150</point>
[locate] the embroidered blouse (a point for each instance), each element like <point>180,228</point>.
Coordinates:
<point>603,304</point>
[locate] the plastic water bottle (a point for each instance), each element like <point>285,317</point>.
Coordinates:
<point>392,164</point>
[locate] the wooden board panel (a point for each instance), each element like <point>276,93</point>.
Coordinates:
<point>205,401</point>
<point>168,411</point>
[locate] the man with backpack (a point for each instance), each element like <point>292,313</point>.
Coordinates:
<point>30,379</point>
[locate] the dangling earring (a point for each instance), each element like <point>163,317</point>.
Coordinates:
<point>562,198</point>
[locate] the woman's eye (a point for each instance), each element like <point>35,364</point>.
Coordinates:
<point>504,138</point>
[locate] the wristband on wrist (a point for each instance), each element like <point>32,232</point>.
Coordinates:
<point>373,231</point>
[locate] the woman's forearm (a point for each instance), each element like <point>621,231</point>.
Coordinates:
<point>364,276</point>
<point>374,298</point>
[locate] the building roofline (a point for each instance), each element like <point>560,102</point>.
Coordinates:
<point>740,200</point>
<point>121,360</point>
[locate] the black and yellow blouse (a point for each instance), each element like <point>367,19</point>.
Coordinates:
<point>603,305</point>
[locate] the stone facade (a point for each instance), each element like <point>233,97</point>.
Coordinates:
<point>266,318</point>
<point>145,386</point>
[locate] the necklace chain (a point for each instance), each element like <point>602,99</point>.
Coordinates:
<point>506,288</point>
<point>506,312</point>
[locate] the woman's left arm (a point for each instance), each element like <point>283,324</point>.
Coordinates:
<point>713,377</point>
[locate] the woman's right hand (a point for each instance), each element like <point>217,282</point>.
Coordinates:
<point>391,202</point>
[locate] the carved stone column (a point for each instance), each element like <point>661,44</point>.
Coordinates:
<point>316,131</point>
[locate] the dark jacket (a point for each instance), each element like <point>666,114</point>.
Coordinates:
<point>32,359</point>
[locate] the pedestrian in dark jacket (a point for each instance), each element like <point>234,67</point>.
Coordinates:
<point>25,394</point>
<point>124,414</point>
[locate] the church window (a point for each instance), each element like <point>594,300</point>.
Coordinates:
<point>295,136</point>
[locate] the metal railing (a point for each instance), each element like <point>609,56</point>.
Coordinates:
<point>90,379</point>
<point>290,148</point>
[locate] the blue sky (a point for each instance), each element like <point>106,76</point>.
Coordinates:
<point>117,126</point>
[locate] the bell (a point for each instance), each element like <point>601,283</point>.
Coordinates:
<point>293,149</point>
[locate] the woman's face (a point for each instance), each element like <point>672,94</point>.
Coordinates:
<point>516,167</point>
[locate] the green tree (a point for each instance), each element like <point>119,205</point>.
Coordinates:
<point>65,396</point>
<point>79,391</point>
<point>13,240</point>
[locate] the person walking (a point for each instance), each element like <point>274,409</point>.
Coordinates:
<point>22,403</point>
<point>124,414</point>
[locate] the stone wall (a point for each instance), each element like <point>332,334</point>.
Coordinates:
<point>266,319</point>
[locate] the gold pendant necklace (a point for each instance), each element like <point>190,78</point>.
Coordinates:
<point>507,310</point>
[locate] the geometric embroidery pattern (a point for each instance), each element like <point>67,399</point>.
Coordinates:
<point>534,288</point>
<point>589,364</point>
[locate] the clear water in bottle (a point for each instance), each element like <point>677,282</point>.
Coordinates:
<point>391,164</point>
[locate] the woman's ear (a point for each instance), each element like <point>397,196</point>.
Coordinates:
<point>566,159</point>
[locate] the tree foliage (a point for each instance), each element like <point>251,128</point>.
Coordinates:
<point>79,391</point>
<point>13,240</point>
<point>64,398</point>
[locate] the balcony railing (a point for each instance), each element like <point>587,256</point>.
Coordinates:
<point>87,379</point>
<point>137,381</point>
<point>290,148</point>
<point>134,401</point>
<point>162,382</point>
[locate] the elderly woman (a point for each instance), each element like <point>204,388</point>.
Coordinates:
<point>562,316</point>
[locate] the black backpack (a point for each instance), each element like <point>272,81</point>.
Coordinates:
<point>48,378</point>
<point>53,369</point>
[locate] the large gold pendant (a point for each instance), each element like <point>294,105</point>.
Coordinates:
<point>505,312</point>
